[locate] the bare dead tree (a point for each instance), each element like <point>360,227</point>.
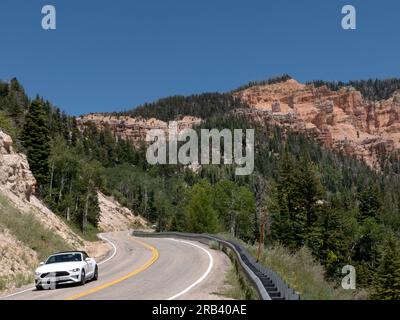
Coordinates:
<point>259,188</point>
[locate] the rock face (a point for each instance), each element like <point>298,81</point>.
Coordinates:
<point>17,185</point>
<point>14,170</point>
<point>16,258</point>
<point>130,128</point>
<point>342,120</point>
<point>115,217</point>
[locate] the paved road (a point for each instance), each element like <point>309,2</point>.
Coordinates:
<point>143,269</point>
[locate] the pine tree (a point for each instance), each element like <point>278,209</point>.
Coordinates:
<point>36,141</point>
<point>387,283</point>
<point>369,202</point>
<point>282,196</point>
<point>18,102</point>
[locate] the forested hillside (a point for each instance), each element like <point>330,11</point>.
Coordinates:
<point>201,106</point>
<point>339,208</point>
<point>372,89</point>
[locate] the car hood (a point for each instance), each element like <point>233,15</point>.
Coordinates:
<point>62,266</point>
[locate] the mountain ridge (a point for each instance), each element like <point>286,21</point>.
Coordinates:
<point>342,120</point>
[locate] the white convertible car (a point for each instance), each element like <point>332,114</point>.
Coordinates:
<point>66,267</point>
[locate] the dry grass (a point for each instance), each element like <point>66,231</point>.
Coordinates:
<point>232,288</point>
<point>29,231</point>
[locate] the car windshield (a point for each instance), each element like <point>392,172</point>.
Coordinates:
<point>65,257</point>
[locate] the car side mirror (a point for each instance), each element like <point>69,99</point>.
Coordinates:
<point>88,259</point>
<point>41,263</point>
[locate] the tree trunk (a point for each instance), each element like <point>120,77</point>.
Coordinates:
<point>145,203</point>
<point>85,214</point>
<point>233,225</point>
<point>263,222</point>
<point>61,189</point>
<point>51,178</point>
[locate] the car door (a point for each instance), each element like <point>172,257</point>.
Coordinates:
<point>90,264</point>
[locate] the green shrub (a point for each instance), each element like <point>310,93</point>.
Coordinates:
<point>213,245</point>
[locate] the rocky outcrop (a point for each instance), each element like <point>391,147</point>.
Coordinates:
<point>115,217</point>
<point>130,128</point>
<point>14,170</point>
<point>342,120</point>
<point>17,184</point>
<point>16,258</point>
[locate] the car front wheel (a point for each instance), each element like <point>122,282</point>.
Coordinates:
<point>83,277</point>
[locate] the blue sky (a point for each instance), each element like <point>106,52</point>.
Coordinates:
<point>115,55</point>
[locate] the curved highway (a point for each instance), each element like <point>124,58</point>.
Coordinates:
<point>140,269</point>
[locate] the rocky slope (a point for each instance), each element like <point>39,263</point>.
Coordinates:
<point>17,184</point>
<point>342,120</point>
<point>115,217</point>
<point>19,203</point>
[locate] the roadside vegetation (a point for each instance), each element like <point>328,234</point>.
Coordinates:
<point>233,288</point>
<point>29,231</point>
<point>26,229</point>
<point>304,274</point>
<point>17,280</point>
<point>236,285</point>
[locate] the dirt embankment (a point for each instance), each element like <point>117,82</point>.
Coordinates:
<point>115,217</point>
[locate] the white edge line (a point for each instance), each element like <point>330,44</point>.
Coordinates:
<point>100,263</point>
<point>114,248</point>
<point>17,293</point>
<point>202,277</point>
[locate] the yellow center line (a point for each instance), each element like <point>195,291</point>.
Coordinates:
<point>155,255</point>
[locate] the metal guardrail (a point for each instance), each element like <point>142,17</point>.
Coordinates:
<point>268,284</point>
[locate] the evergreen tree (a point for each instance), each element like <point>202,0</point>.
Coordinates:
<point>369,201</point>
<point>36,141</point>
<point>387,283</point>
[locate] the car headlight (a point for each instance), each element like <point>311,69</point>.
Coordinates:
<point>74,270</point>
<point>37,273</point>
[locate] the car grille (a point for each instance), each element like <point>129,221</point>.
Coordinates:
<point>56,274</point>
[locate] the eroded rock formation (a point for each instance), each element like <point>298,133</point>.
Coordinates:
<point>130,128</point>
<point>14,170</point>
<point>342,120</point>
